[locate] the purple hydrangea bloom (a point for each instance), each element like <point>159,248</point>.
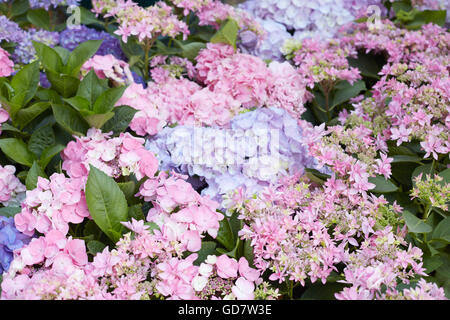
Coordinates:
<point>309,19</point>
<point>260,147</point>
<point>138,79</point>
<point>71,38</point>
<point>10,239</point>
<point>10,31</point>
<point>25,53</point>
<point>46,4</point>
<point>43,80</point>
<point>269,48</point>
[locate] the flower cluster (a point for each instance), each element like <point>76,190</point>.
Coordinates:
<point>158,104</point>
<point>194,215</point>
<point>12,191</point>
<point>144,23</point>
<point>6,65</point>
<point>109,67</point>
<point>10,31</point>
<point>276,34</point>
<point>215,12</point>
<point>322,62</point>
<point>51,267</point>
<point>410,101</point>
<point>25,53</point>
<point>163,67</point>
<point>249,80</point>
<point>4,117</point>
<point>225,278</point>
<point>71,38</point>
<point>47,4</point>
<point>433,192</point>
<point>52,205</point>
<point>115,156</point>
<point>320,19</point>
<point>10,240</point>
<point>259,147</point>
<point>302,232</point>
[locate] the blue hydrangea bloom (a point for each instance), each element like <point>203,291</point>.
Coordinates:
<point>10,239</point>
<point>259,147</point>
<point>25,53</point>
<point>10,31</point>
<point>71,38</point>
<point>46,4</point>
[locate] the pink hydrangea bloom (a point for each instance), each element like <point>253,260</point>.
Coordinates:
<point>6,65</point>
<point>115,156</point>
<point>54,204</point>
<point>12,191</point>
<point>109,67</point>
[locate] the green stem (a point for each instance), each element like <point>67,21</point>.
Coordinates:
<point>427,211</point>
<point>291,290</point>
<point>146,60</point>
<point>148,43</point>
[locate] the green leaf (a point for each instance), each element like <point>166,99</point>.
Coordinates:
<point>121,120</point>
<point>248,252</point>
<point>106,203</point>
<point>25,116</point>
<point>70,119</point>
<point>19,8</point>
<point>7,127</point>
<point>345,91</point>
<point>128,189</point>
<point>225,234</point>
<point>25,83</point>
<point>316,175</point>
<point>190,50</point>
<point>107,100</point>
<point>49,58</point>
<point>366,65</point>
<point>17,150</point>
<point>403,5</point>
<point>98,120</point>
<point>63,53</point>
<point>431,263</point>
<point>91,87</point>
<point>446,175</point>
<point>95,246</point>
<point>442,231</point>
<point>41,139</point>
<point>40,18</point>
<point>421,18</point>
<point>87,17</point>
<point>227,33</point>
<point>9,211</point>
<point>136,212</point>
<point>78,103</point>
<point>48,154</point>
<point>405,158</point>
<point>80,55</point>
<point>32,176</point>
<point>208,248</point>
<point>400,150</point>
<point>319,291</point>
<point>382,185</point>
<point>65,85</point>
<point>415,224</point>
